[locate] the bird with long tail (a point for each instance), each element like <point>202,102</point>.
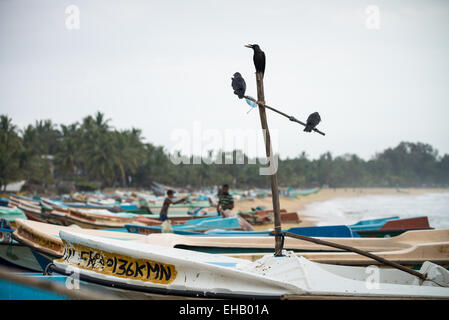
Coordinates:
<point>258,58</point>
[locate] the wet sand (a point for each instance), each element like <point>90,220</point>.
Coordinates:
<point>300,203</point>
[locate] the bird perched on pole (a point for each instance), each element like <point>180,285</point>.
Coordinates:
<point>239,85</point>
<point>258,58</point>
<point>312,121</point>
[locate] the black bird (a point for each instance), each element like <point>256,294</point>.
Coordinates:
<point>312,121</point>
<point>239,85</point>
<point>258,58</point>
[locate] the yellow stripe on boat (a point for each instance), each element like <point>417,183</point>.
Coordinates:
<point>117,265</point>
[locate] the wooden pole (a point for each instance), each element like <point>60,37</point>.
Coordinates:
<point>361,252</point>
<point>273,176</point>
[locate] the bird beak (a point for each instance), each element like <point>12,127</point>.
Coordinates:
<point>249,46</point>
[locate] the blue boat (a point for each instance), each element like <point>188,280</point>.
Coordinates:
<point>340,231</point>
<point>13,291</point>
<point>373,224</point>
<point>197,225</point>
<point>10,290</point>
<point>95,206</point>
<point>4,202</point>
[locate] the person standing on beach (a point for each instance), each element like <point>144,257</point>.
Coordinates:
<point>225,206</point>
<point>225,201</point>
<point>167,202</point>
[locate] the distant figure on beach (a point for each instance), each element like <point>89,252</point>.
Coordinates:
<point>225,200</point>
<point>225,206</point>
<point>167,202</point>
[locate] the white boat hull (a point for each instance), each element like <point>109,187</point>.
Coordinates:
<point>157,270</point>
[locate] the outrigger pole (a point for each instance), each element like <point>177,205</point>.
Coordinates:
<point>291,118</point>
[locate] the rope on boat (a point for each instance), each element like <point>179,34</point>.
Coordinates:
<point>48,267</point>
<point>361,252</point>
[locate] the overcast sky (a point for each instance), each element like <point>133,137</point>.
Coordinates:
<point>161,66</point>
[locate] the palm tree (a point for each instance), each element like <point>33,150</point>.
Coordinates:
<point>10,152</point>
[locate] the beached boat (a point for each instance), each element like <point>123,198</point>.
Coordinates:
<point>147,269</point>
<point>31,286</point>
<point>103,219</point>
<point>38,211</point>
<point>13,291</point>
<point>45,237</point>
<point>258,244</point>
<point>371,224</point>
<point>11,214</point>
<point>15,252</point>
<point>19,255</point>
<point>413,257</point>
<point>304,192</point>
<point>266,216</point>
<point>395,227</point>
<point>189,205</point>
<point>177,211</point>
<point>195,225</point>
<point>318,231</point>
<point>32,212</point>
<point>4,201</point>
<point>97,219</point>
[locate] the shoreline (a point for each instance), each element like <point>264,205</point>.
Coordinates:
<point>299,204</point>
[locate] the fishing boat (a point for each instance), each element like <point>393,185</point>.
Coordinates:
<point>19,255</point>
<point>103,219</point>
<point>37,235</point>
<point>413,257</point>
<point>43,238</point>
<point>96,219</point>
<point>266,216</point>
<point>196,225</point>
<point>187,204</point>
<point>395,227</point>
<point>11,214</point>
<point>15,252</point>
<point>31,286</point>
<point>4,201</point>
<point>32,212</point>
<point>371,224</point>
<point>264,244</point>
<point>305,192</point>
<point>39,211</point>
<point>177,211</point>
<point>13,291</point>
<point>148,269</point>
<point>341,231</point>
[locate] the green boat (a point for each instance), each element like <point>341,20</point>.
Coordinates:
<point>11,214</point>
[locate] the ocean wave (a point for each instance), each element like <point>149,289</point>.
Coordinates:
<point>350,210</point>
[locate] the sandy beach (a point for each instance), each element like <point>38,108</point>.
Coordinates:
<point>300,203</point>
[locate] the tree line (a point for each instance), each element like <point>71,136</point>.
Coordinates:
<point>90,154</point>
